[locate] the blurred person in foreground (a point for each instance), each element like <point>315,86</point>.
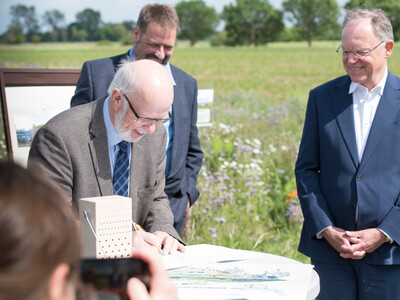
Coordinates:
<point>40,243</point>
<point>115,146</point>
<point>348,168</point>
<point>154,38</point>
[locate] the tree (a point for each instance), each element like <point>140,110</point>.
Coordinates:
<point>55,19</point>
<point>25,18</point>
<point>390,7</point>
<point>76,34</point>
<point>111,32</point>
<point>251,22</point>
<point>129,25</point>
<point>14,35</point>
<point>88,20</point>
<point>197,21</point>
<point>311,17</point>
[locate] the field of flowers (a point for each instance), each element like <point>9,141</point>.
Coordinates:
<point>248,195</point>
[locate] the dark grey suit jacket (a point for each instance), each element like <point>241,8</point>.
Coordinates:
<point>186,155</point>
<point>72,147</point>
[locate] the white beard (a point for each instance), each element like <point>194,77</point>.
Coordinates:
<point>123,133</point>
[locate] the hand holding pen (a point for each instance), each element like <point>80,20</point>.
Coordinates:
<point>162,241</point>
<point>151,241</point>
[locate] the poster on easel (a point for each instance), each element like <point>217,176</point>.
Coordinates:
<point>29,98</point>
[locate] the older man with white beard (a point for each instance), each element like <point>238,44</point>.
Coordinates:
<point>115,146</point>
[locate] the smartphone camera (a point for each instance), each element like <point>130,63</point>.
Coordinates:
<point>103,279</point>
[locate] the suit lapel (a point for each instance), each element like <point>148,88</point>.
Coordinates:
<point>136,168</point>
<point>116,61</point>
<point>177,112</point>
<point>388,107</point>
<point>99,150</point>
<point>342,103</point>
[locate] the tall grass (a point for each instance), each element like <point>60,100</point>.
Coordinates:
<point>248,198</point>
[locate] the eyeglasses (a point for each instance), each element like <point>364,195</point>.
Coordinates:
<point>143,120</point>
<point>357,53</point>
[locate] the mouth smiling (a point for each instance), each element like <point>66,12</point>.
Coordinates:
<point>356,68</point>
<point>140,131</point>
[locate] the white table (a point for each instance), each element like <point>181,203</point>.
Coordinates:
<point>214,272</point>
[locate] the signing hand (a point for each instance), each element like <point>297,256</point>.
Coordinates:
<point>169,244</point>
<point>142,239</point>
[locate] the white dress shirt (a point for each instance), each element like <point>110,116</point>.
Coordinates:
<point>365,104</point>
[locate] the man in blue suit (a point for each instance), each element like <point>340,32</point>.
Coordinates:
<point>154,38</point>
<point>348,168</point>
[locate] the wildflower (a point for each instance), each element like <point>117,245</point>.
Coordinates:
<point>293,194</point>
<point>220,219</point>
<point>213,231</point>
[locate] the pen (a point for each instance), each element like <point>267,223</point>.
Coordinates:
<point>138,227</point>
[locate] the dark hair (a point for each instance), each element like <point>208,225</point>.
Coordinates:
<point>161,14</point>
<point>38,231</point>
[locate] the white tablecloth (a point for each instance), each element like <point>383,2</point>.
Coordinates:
<point>214,272</point>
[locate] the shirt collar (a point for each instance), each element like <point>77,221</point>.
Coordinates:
<point>379,87</point>
<point>112,135</point>
<point>167,66</point>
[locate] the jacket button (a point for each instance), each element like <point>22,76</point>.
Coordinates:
<point>353,205</point>
<point>359,177</point>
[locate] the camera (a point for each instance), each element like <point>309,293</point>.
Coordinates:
<point>103,279</point>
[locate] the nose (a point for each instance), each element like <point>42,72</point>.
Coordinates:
<point>352,57</point>
<point>150,128</point>
<point>160,53</point>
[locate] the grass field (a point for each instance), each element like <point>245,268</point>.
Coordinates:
<point>247,185</point>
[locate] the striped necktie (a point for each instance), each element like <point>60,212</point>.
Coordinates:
<point>121,170</point>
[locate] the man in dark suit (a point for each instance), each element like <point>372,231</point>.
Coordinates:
<point>348,168</point>
<point>81,148</point>
<point>154,38</point>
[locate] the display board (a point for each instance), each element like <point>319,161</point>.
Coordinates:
<point>29,98</point>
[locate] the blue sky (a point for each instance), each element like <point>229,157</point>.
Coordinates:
<point>111,10</point>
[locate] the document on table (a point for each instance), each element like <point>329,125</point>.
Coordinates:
<point>213,272</point>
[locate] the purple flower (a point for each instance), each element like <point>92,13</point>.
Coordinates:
<point>213,232</point>
<point>220,219</point>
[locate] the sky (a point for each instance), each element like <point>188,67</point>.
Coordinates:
<point>114,11</point>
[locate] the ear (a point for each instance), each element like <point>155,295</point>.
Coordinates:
<point>115,103</point>
<point>58,282</point>
<point>389,48</point>
<point>136,34</point>
<point>116,99</point>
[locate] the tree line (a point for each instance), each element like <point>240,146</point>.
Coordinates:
<point>247,22</point>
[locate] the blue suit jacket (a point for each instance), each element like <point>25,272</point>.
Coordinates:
<point>186,153</point>
<point>331,181</point>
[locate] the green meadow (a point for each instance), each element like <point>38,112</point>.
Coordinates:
<point>248,198</point>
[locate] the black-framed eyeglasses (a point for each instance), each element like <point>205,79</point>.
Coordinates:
<point>143,120</point>
<point>357,53</point>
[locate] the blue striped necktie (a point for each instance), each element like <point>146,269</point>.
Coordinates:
<point>121,170</point>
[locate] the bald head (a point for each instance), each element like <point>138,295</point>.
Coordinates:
<point>146,78</point>
<point>155,89</point>
<point>144,86</point>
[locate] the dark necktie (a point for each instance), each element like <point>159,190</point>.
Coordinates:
<point>121,170</point>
